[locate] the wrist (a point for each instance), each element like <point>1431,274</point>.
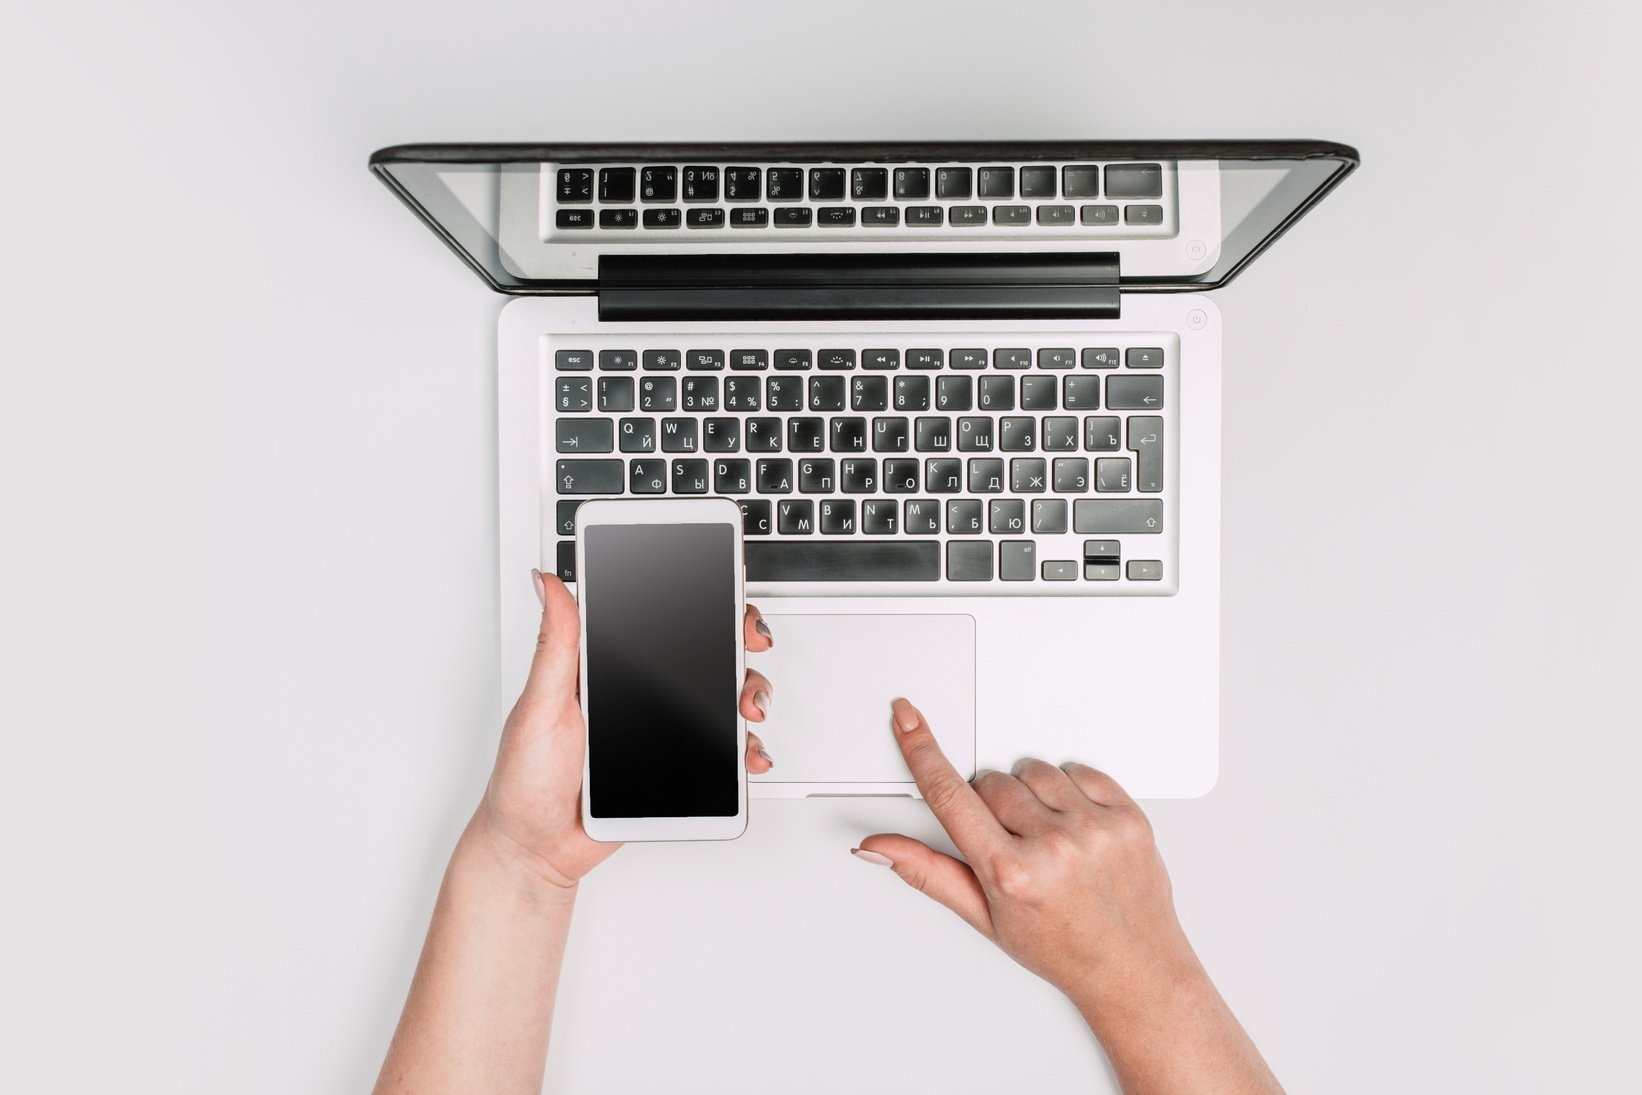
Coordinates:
<point>504,862</point>
<point>1143,993</point>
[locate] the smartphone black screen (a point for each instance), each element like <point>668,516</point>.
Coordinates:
<point>662,694</point>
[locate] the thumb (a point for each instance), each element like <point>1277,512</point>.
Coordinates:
<point>553,671</point>
<point>947,880</point>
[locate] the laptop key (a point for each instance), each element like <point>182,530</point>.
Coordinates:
<point>1143,214</point>
<point>1017,433</point>
<point>584,435</point>
<point>743,393</point>
<point>806,434</point>
<point>835,216</point>
<point>662,218</point>
<point>954,393</point>
<point>793,518</point>
<point>1080,393</point>
<point>826,184</point>
<point>701,185</point>
<point>1011,359</point>
<point>880,359</point>
<point>1134,393</point>
<point>843,561</point>
<point>912,393</point>
<point>636,435</point>
<point>704,360</point>
<point>775,475</point>
<point>658,393</point>
<point>858,476</point>
<point>755,517</point>
<point>1055,214</point>
<point>995,182</point>
<point>1100,434</point>
<point>849,435</point>
<point>1100,357</point>
<point>618,361</point>
<point>678,435</point>
<point>785,184</point>
<point>784,393</point>
<point>985,475</point>
<point>932,433</point>
<point>879,516</point>
<point>974,434</point>
<point>1134,180</point>
<point>743,184</point>
<point>1080,181</point>
<point>1117,515</point>
<point>615,393</point>
<point>924,216</point>
<point>1143,357</point>
<point>801,216</point>
<point>662,361</point>
<point>954,183</point>
<point>921,516</point>
<point>574,218</point>
<point>792,360</point>
<point>1146,442</point>
<point>1071,476</point>
<point>659,184</point>
<point>564,560</point>
<point>1145,570</point>
<point>575,184</point>
<point>943,475</point>
<point>963,517</point>
<point>1005,516</point>
<point>1112,474</point>
<point>699,393</point>
<point>1048,516</point>
<point>588,476</point>
<point>1017,560</point>
<point>835,359</point>
<point>573,393</point>
<point>732,476</point>
<point>1012,214</point>
<point>889,434</point>
<point>837,516</point>
<point>748,217</point>
<point>826,393</point>
<point>706,218</point>
<point>880,216</point>
<point>869,184</point>
<point>1038,182</point>
<point>763,435</point>
<point>1056,358</point>
<point>616,184</point>
<point>901,475</point>
<point>924,359</point>
<point>1028,475</point>
<point>1060,570</point>
<point>969,560</point>
<point>996,393</point>
<point>618,218</point>
<point>969,359</point>
<point>565,516</point>
<point>689,477</point>
<point>1060,434</point>
<point>722,434</point>
<point>1097,214</point>
<point>965,215</point>
<point>1039,393</point>
<point>911,183</point>
<point>573,361</point>
<point>647,476</point>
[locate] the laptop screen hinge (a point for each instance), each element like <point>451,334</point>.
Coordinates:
<point>900,286</point>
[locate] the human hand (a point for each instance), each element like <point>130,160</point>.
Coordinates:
<point>531,814</point>
<point>1062,872</point>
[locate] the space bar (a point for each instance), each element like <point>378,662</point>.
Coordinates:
<point>820,561</point>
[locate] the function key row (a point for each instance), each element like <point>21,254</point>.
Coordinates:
<point>710,183</point>
<point>846,216</point>
<point>965,359</point>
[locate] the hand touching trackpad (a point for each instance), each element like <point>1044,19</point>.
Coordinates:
<point>834,678</point>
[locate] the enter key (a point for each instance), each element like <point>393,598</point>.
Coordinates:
<point>1146,442</point>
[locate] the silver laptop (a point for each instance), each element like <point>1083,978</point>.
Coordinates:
<point>967,397</point>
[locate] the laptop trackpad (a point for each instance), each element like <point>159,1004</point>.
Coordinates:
<point>834,678</point>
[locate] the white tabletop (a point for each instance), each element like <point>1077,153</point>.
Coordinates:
<point>249,593</point>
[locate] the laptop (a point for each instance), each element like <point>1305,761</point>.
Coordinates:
<point>967,396</point>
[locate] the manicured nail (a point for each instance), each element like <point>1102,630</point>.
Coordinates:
<point>871,857</point>
<point>763,629</point>
<point>767,758</point>
<point>761,700</point>
<point>541,587</point>
<point>906,719</point>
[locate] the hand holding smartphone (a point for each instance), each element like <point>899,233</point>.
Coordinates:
<point>660,586</point>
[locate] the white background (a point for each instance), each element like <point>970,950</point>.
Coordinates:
<point>248,600</point>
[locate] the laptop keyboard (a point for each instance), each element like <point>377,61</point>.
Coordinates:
<point>836,201</point>
<point>1006,465</point>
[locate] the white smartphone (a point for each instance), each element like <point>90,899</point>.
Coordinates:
<point>661,589</point>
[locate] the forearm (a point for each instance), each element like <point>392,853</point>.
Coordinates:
<point>1170,1033</point>
<point>481,1003</point>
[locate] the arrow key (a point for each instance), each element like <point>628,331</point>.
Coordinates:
<point>1134,393</point>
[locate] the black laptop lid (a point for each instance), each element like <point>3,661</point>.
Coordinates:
<point>1041,217</point>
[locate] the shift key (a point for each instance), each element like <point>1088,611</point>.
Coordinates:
<point>588,476</point>
<point>1093,516</point>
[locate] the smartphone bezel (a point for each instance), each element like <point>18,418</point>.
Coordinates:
<point>618,511</point>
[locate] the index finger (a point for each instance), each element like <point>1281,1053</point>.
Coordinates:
<point>951,799</point>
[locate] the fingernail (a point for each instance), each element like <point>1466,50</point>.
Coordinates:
<point>763,629</point>
<point>872,857</point>
<point>541,587</point>
<point>761,700</point>
<point>767,758</point>
<point>906,720</point>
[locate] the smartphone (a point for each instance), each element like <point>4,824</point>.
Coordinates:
<point>661,587</point>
